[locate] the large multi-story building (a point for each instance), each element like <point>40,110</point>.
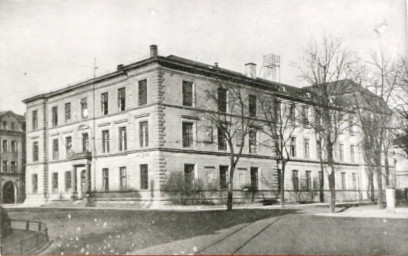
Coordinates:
<point>121,135</point>
<point>12,157</point>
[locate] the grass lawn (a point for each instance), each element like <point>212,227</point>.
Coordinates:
<point>92,231</point>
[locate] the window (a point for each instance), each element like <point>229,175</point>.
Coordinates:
<point>14,148</point>
<point>343,180</point>
<point>208,134</point>
<point>292,146</point>
<point>105,179</point>
<point>223,177</point>
<point>352,155</point>
<point>35,151</point>
<point>144,176</point>
<point>189,175</point>
<point>142,92</point>
<point>222,100</point>
<point>35,120</point>
<point>5,166</point>
<point>318,149</point>
<point>104,103</point>
<point>295,180</point>
<point>13,126</point>
<point>321,181</point>
<point>292,113</point>
<point>54,116</point>
<point>341,152</point>
<point>278,107</point>
<point>67,111</point>
<point>187,134</point>
<point>122,139</point>
<point>123,178</point>
<point>13,167</point>
<point>5,126</point>
<point>85,142</point>
<point>55,150</point>
<point>305,115</point>
<point>252,105</point>
<point>68,181</point>
<point>105,141</point>
<point>187,94</point>
<point>254,178</point>
<point>354,176</point>
<point>84,108</point>
<point>55,182</point>
<point>5,145</point>
<point>306,148</point>
<point>34,181</point>
<point>351,125</point>
<point>252,141</point>
<point>222,140</point>
<point>122,99</point>
<point>239,138</point>
<point>144,134</point>
<point>68,146</point>
<point>308,180</point>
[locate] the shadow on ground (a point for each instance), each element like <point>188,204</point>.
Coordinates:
<point>93,231</point>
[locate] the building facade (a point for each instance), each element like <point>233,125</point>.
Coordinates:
<point>12,157</point>
<point>120,136</point>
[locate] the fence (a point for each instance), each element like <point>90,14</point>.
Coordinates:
<point>28,235</point>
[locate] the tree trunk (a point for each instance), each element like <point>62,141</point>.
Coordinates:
<point>231,186</point>
<point>332,175</point>
<point>371,184</point>
<point>387,167</point>
<point>282,187</point>
<point>379,187</point>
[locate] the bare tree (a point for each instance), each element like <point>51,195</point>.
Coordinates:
<point>324,65</point>
<point>233,122</point>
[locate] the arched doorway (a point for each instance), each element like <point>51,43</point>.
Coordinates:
<point>9,193</point>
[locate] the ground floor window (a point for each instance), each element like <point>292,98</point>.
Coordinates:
<point>144,176</point>
<point>254,178</point>
<point>308,180</point>
<point>189,174</point>
<point>68,182</point>
<point>295,180</point>
<point>354,180</point>
<point>343,180</point>
<point>223,176</point>
<point>34,184</point>
<point>105,179</point>
<point>123,178</point>
<point>55,182</point>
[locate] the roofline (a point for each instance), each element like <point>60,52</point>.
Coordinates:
<point>21,118</point>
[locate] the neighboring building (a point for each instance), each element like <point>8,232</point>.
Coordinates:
<point>120,135</point>
<point>12,157</point>
<point>401,166</point>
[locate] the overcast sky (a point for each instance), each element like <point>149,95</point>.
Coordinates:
<point>46,45</point>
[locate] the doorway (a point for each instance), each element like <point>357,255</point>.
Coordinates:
<point>9,193</point>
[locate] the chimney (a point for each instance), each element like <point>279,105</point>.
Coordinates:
<point>250,70</point>
<point>153,50</point>
<point>120,67</point>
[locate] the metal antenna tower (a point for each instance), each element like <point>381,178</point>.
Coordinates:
<point>271,64</point>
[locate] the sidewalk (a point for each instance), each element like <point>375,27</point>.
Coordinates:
<point>369,211</point>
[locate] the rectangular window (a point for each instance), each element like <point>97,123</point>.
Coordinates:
<point>292,113</point>
<point>14,148</point>
<point>34,181</point>
<point>68,146</point>
<point>208,134</point>
<point>343,180</point>
<point>352,155</point>
<point>189,175</point>
<point>84,108</point>
<point>85,142</point>
<point>295,180</point>
<point>306,148</point>
<point>5,166</point>
<point>252,141</point>
<point>223,177</point>
<point>254,178</point>
<point>5,146</point>
<point>252,105</point>
<point>68,181</point>
<point>13,126</point>
<point>5,126</point>
<point>13,167</point>
<point>187,93</point>
<point>222,140</point>
<point>122,99</point>
<point>144,176</point>
<point>318,148</point>
<point>239,137</point>
<point>122,139</point>
<point>351,125</point>
<point>292,146</point>
<point>354,176</point>
<point>142,92</point>
<point>341,152</point>
<point>305,115</point>
<point>67,111</point>
<point>222,100</point>
<point>105,141</point>
<point>187,134</point>
<point>278,109</point>
<point>54,116</point>
<point>105,179</point>
<point>35,120</point>
<point>35,151</point>
<point>55,149</point>
<point>104,103</point>
<point>144,134</point>
<point>123,178</point>
<point>55,182</point>
<point>308,180</point>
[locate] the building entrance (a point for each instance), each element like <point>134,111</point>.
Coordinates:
<point>9,193</point>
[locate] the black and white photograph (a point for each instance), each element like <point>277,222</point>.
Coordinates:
<point>203,127</point>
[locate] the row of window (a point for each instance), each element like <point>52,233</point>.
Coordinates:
<point>9,169</point>
<point>6,127</point>
<point>13,146</point>
<point>308,183</point>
